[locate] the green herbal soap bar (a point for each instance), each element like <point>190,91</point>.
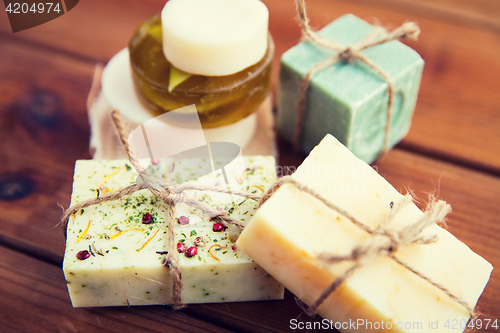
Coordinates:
<point>114,249</point>
<point>349,100</point>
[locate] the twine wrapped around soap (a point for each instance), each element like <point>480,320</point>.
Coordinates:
<point>408,30</point>
<point>384,240</point>
<point>170,195</point>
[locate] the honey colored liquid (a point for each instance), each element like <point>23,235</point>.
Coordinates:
<point>220,100</point>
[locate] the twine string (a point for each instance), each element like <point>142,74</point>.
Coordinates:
<point>408,30</point>
<point>172,260</point>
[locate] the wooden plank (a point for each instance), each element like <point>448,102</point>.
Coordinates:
<point>25,135</point>
<point>44,129</point>
<point>94,29</point>
<point>479,13</point>
<point>35,299</point>
<point>456,116</point>
<point>113,23</point>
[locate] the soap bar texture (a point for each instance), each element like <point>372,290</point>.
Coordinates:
<point>114,250</point>
<point>214,37</point>
<point>296,228</point>
<point>349,100</point>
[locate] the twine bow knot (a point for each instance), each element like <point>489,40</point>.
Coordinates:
<point>348,54</point>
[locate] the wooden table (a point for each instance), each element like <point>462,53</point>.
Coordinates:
<point>45,75</point>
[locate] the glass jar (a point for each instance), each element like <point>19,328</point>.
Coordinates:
<point>220,100</point>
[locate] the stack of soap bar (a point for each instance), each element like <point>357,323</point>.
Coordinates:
<point>216,54</point>
<point>349,100</point>
<point>296,228</point>
<point>114,250</point>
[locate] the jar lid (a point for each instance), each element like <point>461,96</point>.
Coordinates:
<point>214,37</point>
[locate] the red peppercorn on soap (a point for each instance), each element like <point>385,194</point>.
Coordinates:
<point>114,250</point>
<point>296,228</point>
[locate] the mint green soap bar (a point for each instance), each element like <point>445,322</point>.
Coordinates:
<point>349,100</point>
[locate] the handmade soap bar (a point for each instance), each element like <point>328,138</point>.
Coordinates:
<point>114,250</point>
<point>296,228</point>
<point>349,100</point>
<point>214,37</point>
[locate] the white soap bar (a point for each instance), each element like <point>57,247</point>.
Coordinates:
<point>296,228</point>
<point>214,37</point>
<point>124,260</point>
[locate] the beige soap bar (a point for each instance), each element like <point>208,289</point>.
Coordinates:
<point>296,228</point>
<point>114,250</point>
<point>214,37</point>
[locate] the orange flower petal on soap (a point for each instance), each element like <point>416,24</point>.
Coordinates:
<point>105,189</point>
<point>210,251</point>
<point>150,238</point>
<point>84,232</point>
<point>259,187</point>
<point>124,231</point>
